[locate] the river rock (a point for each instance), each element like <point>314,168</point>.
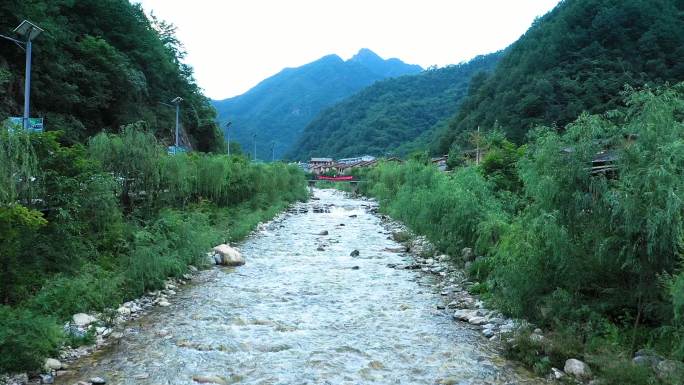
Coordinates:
<point>670,371</point>
<point>82,319</point>
<point>52,364</point>
<point>97,381</point>
<point>557,374</point>
<point>210,379</point>
<point>164,303</point>
<point>124,311</point>
<point>647,358</point>
<point>229,255</point>
<point>355,253</point>
<point>464,314</point>
<point>577,369</point>
<point>324,232</point>
<point>477,320</point>
<point>467,254</point>
<point>47,379</point>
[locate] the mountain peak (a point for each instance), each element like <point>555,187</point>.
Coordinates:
<point>385,68</point>
<point>365,54</point>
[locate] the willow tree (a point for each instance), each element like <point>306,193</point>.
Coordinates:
<point>18,183</point>
<point>134,159</point>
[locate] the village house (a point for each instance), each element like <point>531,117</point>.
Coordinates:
<point>440,162</point>
<point>320,166</point>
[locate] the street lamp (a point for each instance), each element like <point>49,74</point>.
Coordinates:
<point>177,100</point>
<point>28,31</point>
<point>228,124</point>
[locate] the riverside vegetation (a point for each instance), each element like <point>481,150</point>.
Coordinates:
<point>85,227</point>
<point>595,258</point>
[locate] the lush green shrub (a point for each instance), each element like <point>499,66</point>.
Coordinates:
<point>592,253</point>
<point>91,289</point>
<point>448,209</point>
<point>26,338</point>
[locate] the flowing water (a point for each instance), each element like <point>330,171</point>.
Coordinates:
<point>297,315</point>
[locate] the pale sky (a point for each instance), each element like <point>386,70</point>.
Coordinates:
<point>234,44</point>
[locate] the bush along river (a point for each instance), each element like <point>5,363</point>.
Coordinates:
<point>327,296</point>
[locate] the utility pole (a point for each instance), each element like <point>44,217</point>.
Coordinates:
<point>254,139</point>
<point>228,135</point>
<point>177,101</point>
<point>27,85</point>
<point>477,154</point>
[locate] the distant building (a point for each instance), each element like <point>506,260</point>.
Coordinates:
<point>320,166</point>
<point>365,158</point>
<point>314,162</point>
<point>440,162</point>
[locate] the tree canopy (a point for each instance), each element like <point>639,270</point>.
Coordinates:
<point>576,58</point>
<point>100,65</point>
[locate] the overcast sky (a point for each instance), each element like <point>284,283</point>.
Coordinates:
<point>234,44</point>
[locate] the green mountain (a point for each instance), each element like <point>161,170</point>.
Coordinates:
<point>278,108</point>
<point>393,116</point>
<point>576,58</point>
<point>100,65</point>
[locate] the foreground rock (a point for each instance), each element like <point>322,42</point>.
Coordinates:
<point>577,369</point>
<point>52,364</point>
<point>82,319</point>
<point>228,256</point>
<point>670,371</point>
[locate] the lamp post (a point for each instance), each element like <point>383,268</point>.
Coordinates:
<point>177,101</point>
<point>28,31</point>
<point>228,135</point>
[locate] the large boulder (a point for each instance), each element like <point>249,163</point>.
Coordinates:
<point>52,364</point>
<point>670,371</point>
<point>577,369</point>
<point>229,256</point>
<point>82,319</point>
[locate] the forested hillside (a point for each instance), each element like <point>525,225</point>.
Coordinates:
<point>100,65</point>
<point>576,58</point>
<point>278,108</point>
<point>393,116</point>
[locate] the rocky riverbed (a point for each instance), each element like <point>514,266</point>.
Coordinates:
<point>327,296</point>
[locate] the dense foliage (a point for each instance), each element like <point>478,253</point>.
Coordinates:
<point>101,64</point>
<point>593,256</point>
<point>576,58</point>
<point>393,116</point>
<point>278,108</point>
<point>83,228</point>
